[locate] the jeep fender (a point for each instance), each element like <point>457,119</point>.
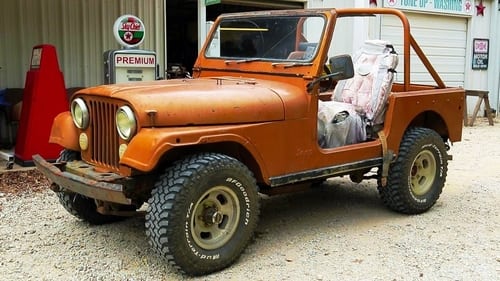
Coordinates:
<point>64,132</point>
<point>150,144</point>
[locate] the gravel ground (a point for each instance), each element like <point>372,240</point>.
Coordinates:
<point>339,231</point>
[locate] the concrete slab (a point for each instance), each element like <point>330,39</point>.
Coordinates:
<point>7,162</point>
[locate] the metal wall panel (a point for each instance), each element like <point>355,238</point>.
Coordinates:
<point>443,40</point>
<point>80,30</point>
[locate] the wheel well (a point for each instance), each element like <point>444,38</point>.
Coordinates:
<point>232,149</point>
<point>431,120</point>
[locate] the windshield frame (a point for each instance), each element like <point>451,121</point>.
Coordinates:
<point>296,51</point>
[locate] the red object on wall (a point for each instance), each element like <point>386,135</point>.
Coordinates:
<point>44,97</point>
<point>480,9</point>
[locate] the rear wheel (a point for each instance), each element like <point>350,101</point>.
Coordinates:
<point>203,212</point>
<point>417,177</point>
<point>81,206</point>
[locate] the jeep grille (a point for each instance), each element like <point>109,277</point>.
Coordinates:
<point>104,136</point>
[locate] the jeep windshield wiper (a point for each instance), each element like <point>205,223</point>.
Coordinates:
<point>291,64</point>
<point>242,60</point>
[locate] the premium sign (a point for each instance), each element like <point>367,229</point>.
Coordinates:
<point>457,7</point>
<point>135,60</point>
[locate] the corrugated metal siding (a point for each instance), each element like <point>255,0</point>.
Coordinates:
<point>80,30</point>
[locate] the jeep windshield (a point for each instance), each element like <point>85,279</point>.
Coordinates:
<point>291,40</point>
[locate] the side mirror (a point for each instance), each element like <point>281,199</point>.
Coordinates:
<point>342,66</point>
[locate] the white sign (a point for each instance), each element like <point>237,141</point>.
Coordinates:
<point>36,56</point>
<point>135,60</point>
<point>456,7</point>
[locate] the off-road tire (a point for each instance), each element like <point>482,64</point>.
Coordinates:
<point>417,177</point>
<point>202,213</point>
<point>78,205</point>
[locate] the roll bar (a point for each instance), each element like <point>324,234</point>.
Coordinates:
<point>408,40</point>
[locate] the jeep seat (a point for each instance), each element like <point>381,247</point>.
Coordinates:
<point>360,101</point>
<point>305,51</point>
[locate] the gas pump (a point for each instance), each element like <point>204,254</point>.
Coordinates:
<point>129,64</point>
<point>44,97</point>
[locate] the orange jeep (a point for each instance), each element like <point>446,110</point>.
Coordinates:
<point>266,110</point>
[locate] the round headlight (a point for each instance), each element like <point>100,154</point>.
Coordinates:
<point>125,122</point>
<point>80,113</point>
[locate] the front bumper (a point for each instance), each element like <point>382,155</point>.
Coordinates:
<point>105,190</point>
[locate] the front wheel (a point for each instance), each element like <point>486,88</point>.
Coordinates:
<point>417,177</point>
<point>203,212</point>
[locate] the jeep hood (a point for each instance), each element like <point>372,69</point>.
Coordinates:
<point>203,101</point>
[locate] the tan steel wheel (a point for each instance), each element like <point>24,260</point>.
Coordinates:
<point>216,217</point>
<point>423,173</point>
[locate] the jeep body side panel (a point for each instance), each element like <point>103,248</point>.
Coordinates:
<point>280,147</point>
<point>403,112</point>
<point>404,107</point>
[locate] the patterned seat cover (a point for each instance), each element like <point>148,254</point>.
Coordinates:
<point>363,97</point>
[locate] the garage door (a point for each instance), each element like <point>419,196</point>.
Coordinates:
<point>276,4</point>
<point>443,40</point>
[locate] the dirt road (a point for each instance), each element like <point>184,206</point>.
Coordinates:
<point>339,231</point>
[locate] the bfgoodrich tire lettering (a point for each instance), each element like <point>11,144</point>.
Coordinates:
<point>203,212</point>
<point>417,177</point>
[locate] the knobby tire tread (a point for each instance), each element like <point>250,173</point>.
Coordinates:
<point>394,195</point>
<point>167,192</point>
